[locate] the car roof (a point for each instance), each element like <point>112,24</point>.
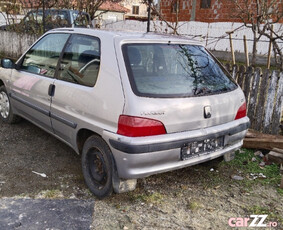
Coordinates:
<point>52,9</point>
<point>130,36</point>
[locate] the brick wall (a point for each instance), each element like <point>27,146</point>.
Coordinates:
<point>190,10</point>
<point>220,11</point>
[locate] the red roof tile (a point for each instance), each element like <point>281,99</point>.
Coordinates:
<point>111,6</point>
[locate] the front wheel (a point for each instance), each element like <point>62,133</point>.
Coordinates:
<point>6,112</point>
<point>97,166</point>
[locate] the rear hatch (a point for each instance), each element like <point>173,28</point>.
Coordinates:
<point>180,85</point>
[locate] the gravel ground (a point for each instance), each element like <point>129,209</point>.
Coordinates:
<point>192,198</point>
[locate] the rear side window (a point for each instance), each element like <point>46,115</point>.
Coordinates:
<point>174,70</point>
<point>81,60</point>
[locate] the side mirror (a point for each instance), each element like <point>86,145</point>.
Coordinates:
<point>7,63</point>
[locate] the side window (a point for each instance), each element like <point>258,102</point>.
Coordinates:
<point>81,20</point>
<point>43,57</point>
<point>56,18</point>
<point>81,60</point>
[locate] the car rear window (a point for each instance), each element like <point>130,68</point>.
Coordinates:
<point>174,70</point>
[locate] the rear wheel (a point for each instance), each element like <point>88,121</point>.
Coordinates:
<point>6,112</point>
<point>97,166</point>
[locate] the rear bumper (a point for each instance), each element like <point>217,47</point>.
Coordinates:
<point>143,156</point>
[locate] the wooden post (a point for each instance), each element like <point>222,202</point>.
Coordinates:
<point>261,100</point>
<point>232,48</point>
<point>269,102</point>
<point>281,185</point>
<point>269,49</point>
<point>246,51</point>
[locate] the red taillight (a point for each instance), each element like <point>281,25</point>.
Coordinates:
<point>242,111</point>
<point>139,127</point>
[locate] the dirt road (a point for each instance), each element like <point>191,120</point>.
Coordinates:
<point>199,197</point>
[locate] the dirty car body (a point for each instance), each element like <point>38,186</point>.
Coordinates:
<point>133,105</point>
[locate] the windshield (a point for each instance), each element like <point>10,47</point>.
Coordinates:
<point>174,70</point>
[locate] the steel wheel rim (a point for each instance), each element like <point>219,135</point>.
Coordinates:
<point>4,105</point>
<point>97,170</point>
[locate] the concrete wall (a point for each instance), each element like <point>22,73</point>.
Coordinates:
<point>110,16</point>
<point>13,44</point>
<point>2,18</point>
<point>212,35</point>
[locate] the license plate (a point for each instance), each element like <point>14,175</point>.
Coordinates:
<point>203,147</point>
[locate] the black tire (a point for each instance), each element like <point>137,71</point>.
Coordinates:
<point>6,111</point>
<point>97,166</point>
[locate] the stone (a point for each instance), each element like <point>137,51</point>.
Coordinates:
<point>259,154</point>
<point>237,177</point>
<point>45,214</point>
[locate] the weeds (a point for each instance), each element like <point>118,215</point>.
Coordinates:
<point>272,214</point>
<point>50,194</point>
<point>194,205</point>
<point>243,162</point>
<point>152,198</point>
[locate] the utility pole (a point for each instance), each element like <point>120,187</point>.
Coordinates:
<point>148,15</point>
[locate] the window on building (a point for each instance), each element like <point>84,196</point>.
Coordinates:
<point>136,9</point>
<point>205,4</point>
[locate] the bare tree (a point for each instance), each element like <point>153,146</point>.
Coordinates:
<point>9,9</point>
<point>92,6</point>
<point>89,6</point>
<point>172,23</point>
<point>260,16</point>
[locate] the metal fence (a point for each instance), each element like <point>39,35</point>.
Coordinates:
<point>263,92</point>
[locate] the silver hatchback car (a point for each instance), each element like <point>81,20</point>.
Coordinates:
<point>131,104</point>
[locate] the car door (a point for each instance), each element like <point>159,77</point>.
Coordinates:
<point>76,78</point>
<point>32,82</point>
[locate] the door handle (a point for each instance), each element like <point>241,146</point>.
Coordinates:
<point>51,90</point>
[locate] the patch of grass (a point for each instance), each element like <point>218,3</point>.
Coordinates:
<point>272,215</point>
<point>262,66</point>
<point>243,162</point>
<point>212,179</point>
<point>194,205</point>
<point>280,191</point>
<point>152,198</point>
<point>210,174</point>
<point>50,194</point>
